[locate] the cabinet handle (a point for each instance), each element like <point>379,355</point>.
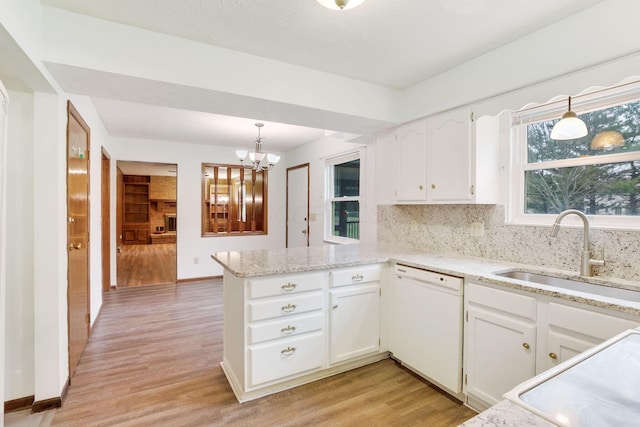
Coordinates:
<point>288,287</point>
<point>553,356</point>
<point>525,345</point>
<point>433,186</point>
<point>357,278</point>
<point>288,330</point>
<point>288,308</point>
<point>287,351</point>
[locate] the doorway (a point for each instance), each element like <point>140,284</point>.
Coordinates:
<point>298,206</point>
<point>105,209</point>
<point>147,223</point>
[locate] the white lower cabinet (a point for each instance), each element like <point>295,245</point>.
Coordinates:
<point>286,330</point>
<point>354,314</point>
<point>500,343</point>
<point>511,336</point>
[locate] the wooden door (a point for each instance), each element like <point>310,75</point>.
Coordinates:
<point>106,221</point>
<point>298,206</point>
<point>78,137</point>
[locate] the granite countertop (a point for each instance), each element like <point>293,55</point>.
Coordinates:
<point>266,262</point>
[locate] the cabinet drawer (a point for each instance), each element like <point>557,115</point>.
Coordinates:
<point>284,358</point>
<point>291,326</point>
<point>506,301</point>
<point>279,307</point>
<point>283,285</point>
<point>586,322</point>
<point>354,276</point>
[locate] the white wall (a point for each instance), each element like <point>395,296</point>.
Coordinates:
<point>190,243</point>
<point>4,112</point>
<point>19,357</point>
<point>315,154</point>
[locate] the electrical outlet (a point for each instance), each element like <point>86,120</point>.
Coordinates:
<point>476,229</point>
<point>196,260</point>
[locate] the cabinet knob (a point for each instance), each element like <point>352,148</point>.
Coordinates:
<point>433,186</point>
<point>288,287</point>
<point>420,187</point>
<point>288,308</point>
<point>287,351</point>
<point>553,356</point>
<point>526,345</point>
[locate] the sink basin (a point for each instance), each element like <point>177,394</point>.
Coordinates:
<point>574,285</point>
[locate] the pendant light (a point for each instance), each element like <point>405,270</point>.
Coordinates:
<point>340,4</point>
<point>569,127</point>
<point>256,157</point>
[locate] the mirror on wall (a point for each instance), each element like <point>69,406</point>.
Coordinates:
<point>234,200</point>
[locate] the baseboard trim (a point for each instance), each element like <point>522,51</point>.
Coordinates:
<point>18,404</point>
<point>198,279</point>
<point>46,404</point>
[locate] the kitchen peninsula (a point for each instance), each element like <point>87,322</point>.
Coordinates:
<point>280,304</point>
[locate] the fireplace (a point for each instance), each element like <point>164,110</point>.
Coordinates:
<point>170,222</point>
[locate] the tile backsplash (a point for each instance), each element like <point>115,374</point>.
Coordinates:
<point>480,230</point>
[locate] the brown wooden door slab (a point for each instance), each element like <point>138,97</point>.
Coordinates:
<point>78,137</point>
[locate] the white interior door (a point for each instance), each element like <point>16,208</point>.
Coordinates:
<point>298,206</point>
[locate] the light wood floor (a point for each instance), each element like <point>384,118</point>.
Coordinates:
<point>147,264</point>
<point>154,360</point>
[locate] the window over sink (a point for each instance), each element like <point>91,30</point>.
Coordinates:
<point>593,174</point>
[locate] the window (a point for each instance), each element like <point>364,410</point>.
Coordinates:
<point>551,176</point>
<point>343,198</point>
<point>234,200</point>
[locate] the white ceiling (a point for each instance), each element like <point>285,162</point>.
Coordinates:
<point>389,43</point>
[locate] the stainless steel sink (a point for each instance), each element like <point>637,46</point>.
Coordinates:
<point>574,285</point>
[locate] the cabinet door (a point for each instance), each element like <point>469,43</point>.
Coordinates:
<point>354,322</point>
<point>561,347</point>
<point>449,157</point>
<point>500,353</point>
<point>411,171</point>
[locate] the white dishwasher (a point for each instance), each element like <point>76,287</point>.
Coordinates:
<point>426,324</point>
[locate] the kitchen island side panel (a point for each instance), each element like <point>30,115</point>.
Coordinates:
<point>234,333</point>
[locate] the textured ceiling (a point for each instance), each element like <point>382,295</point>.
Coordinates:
<point>388,43</point>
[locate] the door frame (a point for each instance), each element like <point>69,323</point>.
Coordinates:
<point>304,165</point>
<point>106,219</point>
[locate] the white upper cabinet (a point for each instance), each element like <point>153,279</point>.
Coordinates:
<point>462,158</point>
<point>450,158</point>
<point>411,172</point>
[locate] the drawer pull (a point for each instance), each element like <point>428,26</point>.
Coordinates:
<point>288,287</point>
<point>288,330</point>
<point>526,345</point>
<point>357,278</point>
<point>288,308</point>
<point>553,356</point>
<point>288,351</point>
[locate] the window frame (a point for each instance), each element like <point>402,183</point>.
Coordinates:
<point>596,100</point>
<point>329,192</point>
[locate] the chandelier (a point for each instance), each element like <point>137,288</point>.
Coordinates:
<point>256,157</point>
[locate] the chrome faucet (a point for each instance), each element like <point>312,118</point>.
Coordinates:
<point>586,262</point>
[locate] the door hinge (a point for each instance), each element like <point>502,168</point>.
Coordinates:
<point>87,318</point>
<point>465,379</point>
<point>380,291</point>
<point>472,117</point>
<point>467,315</point>
<point>379,343</point>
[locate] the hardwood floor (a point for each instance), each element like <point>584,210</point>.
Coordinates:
<point>147,264</point>
<point>153,359</point>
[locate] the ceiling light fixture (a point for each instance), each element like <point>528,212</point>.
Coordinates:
<point>340,4</point>
<point>256,157</point>
<point>607,140</point>
<point>569,127</point>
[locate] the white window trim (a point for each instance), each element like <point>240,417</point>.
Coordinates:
<point>328,175</point>
<point>518,165</point>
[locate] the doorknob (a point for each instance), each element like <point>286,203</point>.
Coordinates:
<point>76,246</point>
